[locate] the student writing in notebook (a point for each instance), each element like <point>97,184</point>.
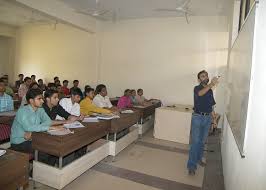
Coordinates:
<point>86,105</point>
<point>101,99</point>
<point>71,105</point>
<point>30,118</point>
<point>52,108</point>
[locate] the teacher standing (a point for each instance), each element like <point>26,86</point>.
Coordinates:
<point>202,118</point>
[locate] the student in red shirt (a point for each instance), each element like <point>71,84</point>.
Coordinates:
<point>65,89</point>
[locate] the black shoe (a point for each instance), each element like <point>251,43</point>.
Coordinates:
<point>191,172</point>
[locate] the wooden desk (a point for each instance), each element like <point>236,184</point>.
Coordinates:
<point>7,120</point>
<point>60,146</point>
<point>126,120</point>
<point>14,170</point>
<point>147,110</point>
<point>114,101</point>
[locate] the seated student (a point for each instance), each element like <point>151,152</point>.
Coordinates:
<point>33,78</point>
<point>84,93</point>
<point>101,99</point>
<point>71,105</point>
<point>20,81</point>
<point>60,91</point>
<point>42,86</point>
<point>22,91</point>
<point>51,86</point>
<point>86,105</point>
<point>65,89</point>
<point>30,118</point>
<point>6,101</point>
<point>125,101</point>
<point>133,97</point>
<point>56,79</point>
<point>9,90</point>
<point>24,101</point>
<point>52,108</point>
<point>140,98</point>
<point>76,86</point>
<point>57,82</point>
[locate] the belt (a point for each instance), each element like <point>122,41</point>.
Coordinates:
<point>202,113</point>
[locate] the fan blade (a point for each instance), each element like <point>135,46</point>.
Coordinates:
<point>185,4</point>
<point>172,10</point>
<point>100,12</point>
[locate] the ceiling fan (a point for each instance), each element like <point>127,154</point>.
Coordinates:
<point>184,9</point>
<point>96,12</point>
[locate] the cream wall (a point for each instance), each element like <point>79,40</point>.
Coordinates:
<point>63,51</point>
<point>162,55</point>
<point>7,49</point>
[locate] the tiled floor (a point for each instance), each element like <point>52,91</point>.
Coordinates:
<point>149,164</point>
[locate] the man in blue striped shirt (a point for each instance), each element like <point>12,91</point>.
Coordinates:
<point>30,118</point>
<point>6,101</point>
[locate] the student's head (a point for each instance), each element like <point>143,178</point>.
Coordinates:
<point>33,77</point>
<point>56,78</point>
<point>21,76</point>
<point>5,80</point>
<point>86,86</point>
<point>76,95</point>
<point>89,92</point>
<point>203,77</point>
<point>51,85</point>
<point>140,92</point>
<point>65,83</point>
<point>59,87</point>
<point>57,82</point>
<point>40,82</point>
<point>127,92</point>
<point>34,97</point>
<point>51,97</point>
<point>101,89</point>
<point>75,83</point>
<point>133,92</point>
<point>27,81</point>
<point>34,85</point>
<point>2,86</point>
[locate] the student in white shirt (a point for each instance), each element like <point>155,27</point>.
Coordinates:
<point>71,105</point>
<point>101,99</point>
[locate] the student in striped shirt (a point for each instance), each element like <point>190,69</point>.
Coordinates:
<point>6,101</point>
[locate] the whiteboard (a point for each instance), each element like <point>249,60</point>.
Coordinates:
<point>239,75</point>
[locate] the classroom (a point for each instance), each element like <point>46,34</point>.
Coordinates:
<point>130,94</point>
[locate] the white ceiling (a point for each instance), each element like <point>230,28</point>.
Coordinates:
<point>133,9</point>
<point>14,14</point>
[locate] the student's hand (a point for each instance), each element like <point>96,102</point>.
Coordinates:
<point>81,117</point>
<point>68,121</point>
<point>57,127</point>
<point>27,136</point>
<point>72,118</point>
